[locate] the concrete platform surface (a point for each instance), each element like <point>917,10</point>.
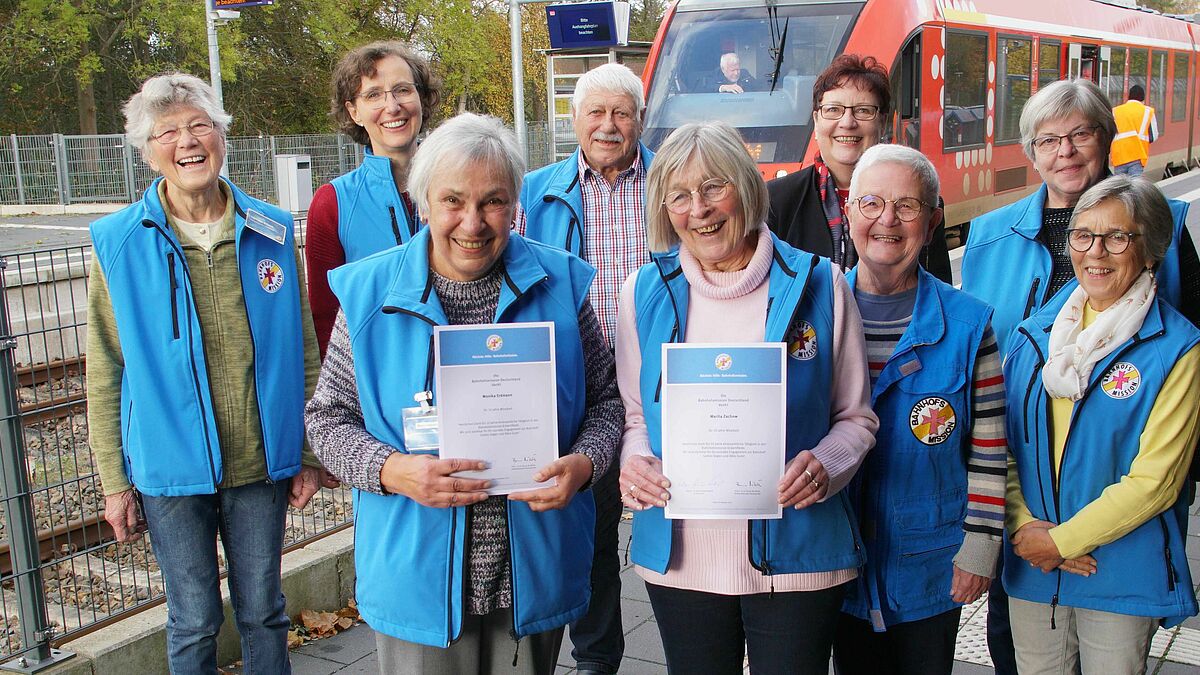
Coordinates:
<point>1174,652</point>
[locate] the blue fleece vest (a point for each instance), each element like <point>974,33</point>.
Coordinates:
<point>911,492</point>
<point>1008,268</point>
<point>168,428</point>
<point>1144,573</point>
<point>553,203</point>
<point>371,215</point>
<point>410,559</point>
<point>823,536</point>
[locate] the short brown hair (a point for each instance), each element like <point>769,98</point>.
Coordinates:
<point>852,70</point>
<point>359,63</point>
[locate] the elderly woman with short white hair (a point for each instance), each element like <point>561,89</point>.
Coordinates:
<point>200,356</point>
<point>1102,400</point>
<point>446,575</point>
<point>722,587</point>
<point>930,495</point>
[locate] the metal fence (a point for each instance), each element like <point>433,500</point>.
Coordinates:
<point>58,169</point>
<point>61,573</point>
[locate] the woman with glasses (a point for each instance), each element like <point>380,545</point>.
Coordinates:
<point>200,357</point>
<point>719,587</point>
<point>1016,257</point>
<point>384,95</point>
<point>930,495</point>
<point>851,104</point>
<point>1102,399</point>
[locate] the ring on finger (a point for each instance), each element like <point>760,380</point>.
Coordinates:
<point>808,473</point>
<point>816,484</point>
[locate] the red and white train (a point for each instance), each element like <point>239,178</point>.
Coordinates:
<point>960,71</point>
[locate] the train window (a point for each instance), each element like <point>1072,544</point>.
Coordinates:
<point>1049,62</point>
<point>1015,56</point>
<point>1114,84</point>
<point>1139,65</point>
<point>1157,94</point>
<point>966,89</point>
<point>1179,97</point>
<point>774,117</point>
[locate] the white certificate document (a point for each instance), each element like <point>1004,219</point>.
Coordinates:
<point>723,429</point>
<point>497,400</point>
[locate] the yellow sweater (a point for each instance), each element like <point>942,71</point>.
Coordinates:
<point>1155,477</point>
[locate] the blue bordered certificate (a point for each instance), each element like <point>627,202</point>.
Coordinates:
<point>723,413</point>
<point>497,399</point>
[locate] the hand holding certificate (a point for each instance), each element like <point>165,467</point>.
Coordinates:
<point>497,394</point>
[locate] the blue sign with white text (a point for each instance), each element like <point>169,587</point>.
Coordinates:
<point>591,24</point>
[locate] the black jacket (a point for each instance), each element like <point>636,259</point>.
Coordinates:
<point>797,217</point>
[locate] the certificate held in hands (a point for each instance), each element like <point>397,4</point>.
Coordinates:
<point>723,429</point>
<point>497,400</point>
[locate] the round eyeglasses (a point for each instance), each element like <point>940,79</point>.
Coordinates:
<point>711,190</point>
<point>907,208</point>
<point>1115,242</point>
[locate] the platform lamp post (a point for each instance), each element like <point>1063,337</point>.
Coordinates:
<point>214,17</point>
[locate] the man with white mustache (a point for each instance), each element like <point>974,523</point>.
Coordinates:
<point>593,204</point>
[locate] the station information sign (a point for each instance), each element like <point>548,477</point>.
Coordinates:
<point>237,4</point>
<point>587,24</point>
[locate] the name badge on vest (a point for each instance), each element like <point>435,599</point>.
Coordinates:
<point>267,227</point>
<point>421,425</point>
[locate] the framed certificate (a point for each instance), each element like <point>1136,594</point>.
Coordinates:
<point>723,429</point>
<point>497,396</point>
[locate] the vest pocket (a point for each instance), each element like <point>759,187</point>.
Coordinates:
<point>927,533</point>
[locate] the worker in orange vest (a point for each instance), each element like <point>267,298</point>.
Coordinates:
<point>1136,130</point>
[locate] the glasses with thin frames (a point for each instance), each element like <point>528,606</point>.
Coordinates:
<point>405,92</point>
<point>1080,138</point>
<point>711,190</point>
<point>862,113</point>
<point>197,129</point>
<point>907,208</point>
<point>1115,242</point>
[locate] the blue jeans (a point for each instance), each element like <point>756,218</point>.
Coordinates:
<point>183,532</point>
<point>599,642</point>
<point>1132,169</point>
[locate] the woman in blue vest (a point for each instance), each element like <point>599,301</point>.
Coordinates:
<point>200,357</point>
<point>930,495</point>
<point>448,576</point>
<point>384,95</point>
<point>720,276</point>
<point>1102,400</point>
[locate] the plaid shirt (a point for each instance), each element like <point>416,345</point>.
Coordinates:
<point>614,231</point>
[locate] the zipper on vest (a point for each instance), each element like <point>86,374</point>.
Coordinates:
<point>658,387</point>
<point>1031,299</point>
<point>1054,601</point>
<point>512,586</point>
<point>573,224</point>
<point>450,579</point>
<point>212,467</point>
<point>174,288</point>
<point>395,225</point>
<point>1171,577</point>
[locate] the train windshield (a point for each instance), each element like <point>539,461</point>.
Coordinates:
<point>720,63</point>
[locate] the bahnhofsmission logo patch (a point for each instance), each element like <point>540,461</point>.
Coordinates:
<point>932,420</point>
<point>270,275</point>
<point>802,342</point>
<point>1122,380</point>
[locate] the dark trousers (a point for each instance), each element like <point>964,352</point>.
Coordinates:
<point>999,632</point>
<point>597,639</point>
<point>923,647</point>
<point>785,633</point>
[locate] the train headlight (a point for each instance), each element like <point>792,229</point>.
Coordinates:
<point>781,173</point>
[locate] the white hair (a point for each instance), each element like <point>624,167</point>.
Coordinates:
<point>465,140</point>
<point>610,77</point>
<point>728,58</point>
<point>887,153</point>
<point>161,93</point>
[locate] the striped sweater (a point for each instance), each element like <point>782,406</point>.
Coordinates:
<point>884,322</point>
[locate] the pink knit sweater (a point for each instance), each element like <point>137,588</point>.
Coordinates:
<point>730,307</point>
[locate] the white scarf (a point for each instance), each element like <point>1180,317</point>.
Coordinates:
<point>1075,350</point>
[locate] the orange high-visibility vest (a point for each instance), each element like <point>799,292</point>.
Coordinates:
<point>1133,133</point>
